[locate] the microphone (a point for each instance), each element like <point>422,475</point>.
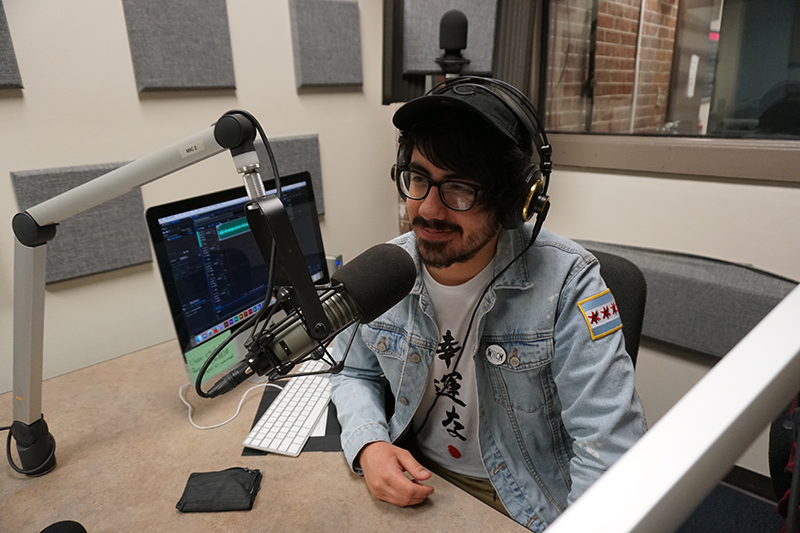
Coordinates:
<point>452,39</point>
<point>368,286</point>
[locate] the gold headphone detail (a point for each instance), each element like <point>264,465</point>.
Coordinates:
<point>536,202</point>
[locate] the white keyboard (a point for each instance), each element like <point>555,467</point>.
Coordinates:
<point>289,420</point>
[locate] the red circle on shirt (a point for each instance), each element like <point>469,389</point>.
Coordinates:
<point>453,451</point>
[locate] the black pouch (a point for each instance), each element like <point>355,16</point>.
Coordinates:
<point>233,489</point>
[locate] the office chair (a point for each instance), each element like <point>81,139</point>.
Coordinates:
<point>781,439</point>
<point>629,288</point>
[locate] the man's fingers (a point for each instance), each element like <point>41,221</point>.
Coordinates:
<point>411,466</point>
<point>384,468</point>
<point>399,490</point>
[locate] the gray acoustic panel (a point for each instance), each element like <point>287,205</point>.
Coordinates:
<point>326,38</point>
<point>9,70</point>
<point>109,236</point>
<point>421,34</point>
<point>703,304</point>
<point>180,45</point>
<point>294,154</point>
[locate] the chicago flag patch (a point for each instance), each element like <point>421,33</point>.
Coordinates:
<point>601,314</point>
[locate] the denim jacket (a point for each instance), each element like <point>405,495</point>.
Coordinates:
<point>553,415</point>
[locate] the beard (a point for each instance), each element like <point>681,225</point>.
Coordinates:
<point>443,254</point>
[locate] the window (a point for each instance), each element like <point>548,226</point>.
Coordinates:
<point>514,57</point>
<point>704,87</point>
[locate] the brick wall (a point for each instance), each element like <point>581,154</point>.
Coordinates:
<point>567,104</point>
<point>567,65</point>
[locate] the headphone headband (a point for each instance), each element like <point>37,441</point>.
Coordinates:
<point>503,107</point>
<point>518,104</point>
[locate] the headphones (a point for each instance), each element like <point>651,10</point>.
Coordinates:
<point>535,178</point>
<point>532,183</point>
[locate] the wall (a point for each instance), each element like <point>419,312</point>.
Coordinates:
<point>80,106</point>
<point>741,222</point>
<point>615,66</point>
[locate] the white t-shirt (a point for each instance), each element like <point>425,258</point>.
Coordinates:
<point>450,434</point>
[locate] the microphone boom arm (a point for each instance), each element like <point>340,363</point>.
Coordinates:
<point>269,223</point>
<point>36,226</point>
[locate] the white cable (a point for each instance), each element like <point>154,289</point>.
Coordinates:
<point>187,404</point>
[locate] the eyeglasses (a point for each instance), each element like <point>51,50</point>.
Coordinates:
<point>456,195</point>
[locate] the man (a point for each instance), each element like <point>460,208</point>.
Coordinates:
<point>501,381</point>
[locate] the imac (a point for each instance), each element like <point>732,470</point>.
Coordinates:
<point>213,273</point>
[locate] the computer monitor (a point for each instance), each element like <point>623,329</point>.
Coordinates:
<point>213,272</point>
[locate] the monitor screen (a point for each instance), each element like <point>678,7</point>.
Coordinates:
<point>213,272</point>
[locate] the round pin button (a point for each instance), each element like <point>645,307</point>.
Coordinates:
<point>495,354</point>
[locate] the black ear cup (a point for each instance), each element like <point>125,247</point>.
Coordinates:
<point>531,187</point>
<point>534,199</point>
<point>395,179</point>
<point>403,159</point>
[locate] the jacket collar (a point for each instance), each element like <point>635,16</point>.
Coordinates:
<point>509,245</point>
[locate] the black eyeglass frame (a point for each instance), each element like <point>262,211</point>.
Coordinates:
<point>438,184</point>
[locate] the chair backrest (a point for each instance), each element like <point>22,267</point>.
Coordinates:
<point>781,439</point>
<point>629,288</point>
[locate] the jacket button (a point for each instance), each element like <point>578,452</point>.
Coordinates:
<point>382,344</point>
<point>415,358</point>
<point>403,400</point>
<point>514,361</point>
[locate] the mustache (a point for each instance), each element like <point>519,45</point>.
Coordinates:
<point>436,224</point>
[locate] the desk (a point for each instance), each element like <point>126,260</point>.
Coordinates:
<point>125,450</point>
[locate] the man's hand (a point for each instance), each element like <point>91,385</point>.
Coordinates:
<point>384,465</point>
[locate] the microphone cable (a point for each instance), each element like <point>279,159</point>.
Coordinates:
<point>264,139</point>
<point>238,409</point>
<point>536,229</point>
<point>253,320</point>
<point>32,471</point>
<point>270,270</point>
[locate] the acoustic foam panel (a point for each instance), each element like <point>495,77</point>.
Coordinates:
<point>180,45</point>
<point>421,34</point>
<point>109,236</point>
<point>326,39</point>
<point>9,70</point>
<point>294,154</point>
<point>703,304</point>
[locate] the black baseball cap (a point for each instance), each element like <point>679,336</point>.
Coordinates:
<point>469,97</point>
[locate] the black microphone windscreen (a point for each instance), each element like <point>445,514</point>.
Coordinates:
<point>377,279</point>
<point>65,526</point>
<point>453,30</point>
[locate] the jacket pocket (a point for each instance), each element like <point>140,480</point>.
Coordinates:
<point>384,342</point>
<point>518,372</point>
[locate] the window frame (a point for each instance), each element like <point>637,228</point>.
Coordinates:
<point>776,161</point>
<point>764,161</point>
